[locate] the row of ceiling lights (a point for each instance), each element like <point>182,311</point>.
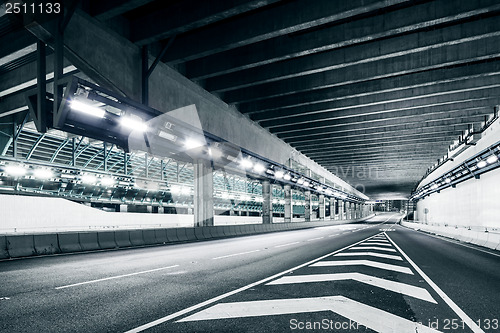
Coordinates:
<point>474,165</point>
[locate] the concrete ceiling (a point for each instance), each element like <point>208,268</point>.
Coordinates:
<point>375,91</point>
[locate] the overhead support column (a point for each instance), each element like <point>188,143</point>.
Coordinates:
<point>203,194</point>
<point>267,203</point>
<point>307,206</point>
<point>288,204</point>
<point>322,203</point>
<point>333,207</point>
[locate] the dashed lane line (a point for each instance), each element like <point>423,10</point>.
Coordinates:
<point>313,239</point>
<point>234,254</point>
<point>370,254</point>
<point>287,244</point>
<point>465,318</point>
<point>398,287</point>
<point>370,263</point>
<point>116,277</point>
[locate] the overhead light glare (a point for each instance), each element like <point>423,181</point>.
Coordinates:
<point>43,173</point>
<point>259,168</point>
<point>133,124</point>
<point>191,143</point>
<point>279,174</point>
<point>246,163</point>
<point>87,109</point>
<point>15,170</point>
<point>107,181</point>
<point>287,177</point>
<point>89,179</point>
<point>492,159</point>
<point>300,181</point>
<point>481,164</point>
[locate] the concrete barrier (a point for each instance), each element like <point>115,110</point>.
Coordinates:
<point>161,236</point>
<point>46,244</point>
<point>181,234</point>
<point>69,242</point>
<point>106,240</point>
<point>481,239</point>
<point>136,238</point>
<point>206,232</point>
<point>226,230</point>
<point>198,232</point>
<point>171,235</point>
<point>190,234</point>
<point>21,246</point>
<point>149,236</point>
<point>493,241</point>
<point>4,254</point>
<point>88,241</point>
<point>122,238</point>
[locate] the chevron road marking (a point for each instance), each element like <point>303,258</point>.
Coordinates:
<point>394,286</point>
<point>376,243</point>
<point>372,248</point>
<point>359,313</point>
<point>372,254</point>
<point>465,318</point>
<point>370,263</point>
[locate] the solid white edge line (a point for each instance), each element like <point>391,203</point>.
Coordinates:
<point>235,254</point>
<point>465,318</point>
<point>115,277</point>
<point>293,243</point>
<point>230,293</point>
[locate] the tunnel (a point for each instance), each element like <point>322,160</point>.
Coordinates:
<point>249,166</point>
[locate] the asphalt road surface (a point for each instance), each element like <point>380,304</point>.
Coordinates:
<point>374,276</point>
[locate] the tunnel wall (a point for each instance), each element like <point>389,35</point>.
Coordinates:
<point>474,203</point>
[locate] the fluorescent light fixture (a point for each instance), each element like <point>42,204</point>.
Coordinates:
<point>492,159</point>
<point>447,180</point>
<point>168,136</point>
<point>246,163</point>
<point>134,124</point>
<point>481,164</point>
<point>259,168</point>
<point>191,143</point>
<point>89,179</point>
<point>435,186</point>
<point>87,109</point>
<point>270,171</point>
<point>287,177</point>
<point>175,189</point>
<point>300,181</point>
<point>15,170</point>
<point>279,174</point>
<point>107,181</point>
<point>43,173</point>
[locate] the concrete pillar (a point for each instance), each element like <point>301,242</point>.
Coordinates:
<point>149,209</point>
<point>267,203</point>
<point>123,208</point>
<point>332,208</point>
<point>203,194</point>
<point>348,210</point>
<point>321,207</point>
<point>288,204</point>
<point>307,206</point>
<point>161,210</point>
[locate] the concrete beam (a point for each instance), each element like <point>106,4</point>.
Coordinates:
<point>394,23</point>
<point>104,10</point>
<point>261,25</point>
<point>428,60</point>
<point>474,102</point>
<point>430,121</point>
<point>433,40</point>
<point>423,83</point>
<point>188,15</point>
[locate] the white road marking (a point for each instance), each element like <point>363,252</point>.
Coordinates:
<point>115,277</point>
<point>398,287</point>
<point>4,298</point>
<point>287,244</point>
<point>370,263</point>
<point>313,239</point>
<point>361,247</point>
<point>372,254</point>
<point>358,312</point>
<point>377,243</point>
<point>332,235</point>
<point>465,318</point>
<point>233,292</point>
<point>234,254</point>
